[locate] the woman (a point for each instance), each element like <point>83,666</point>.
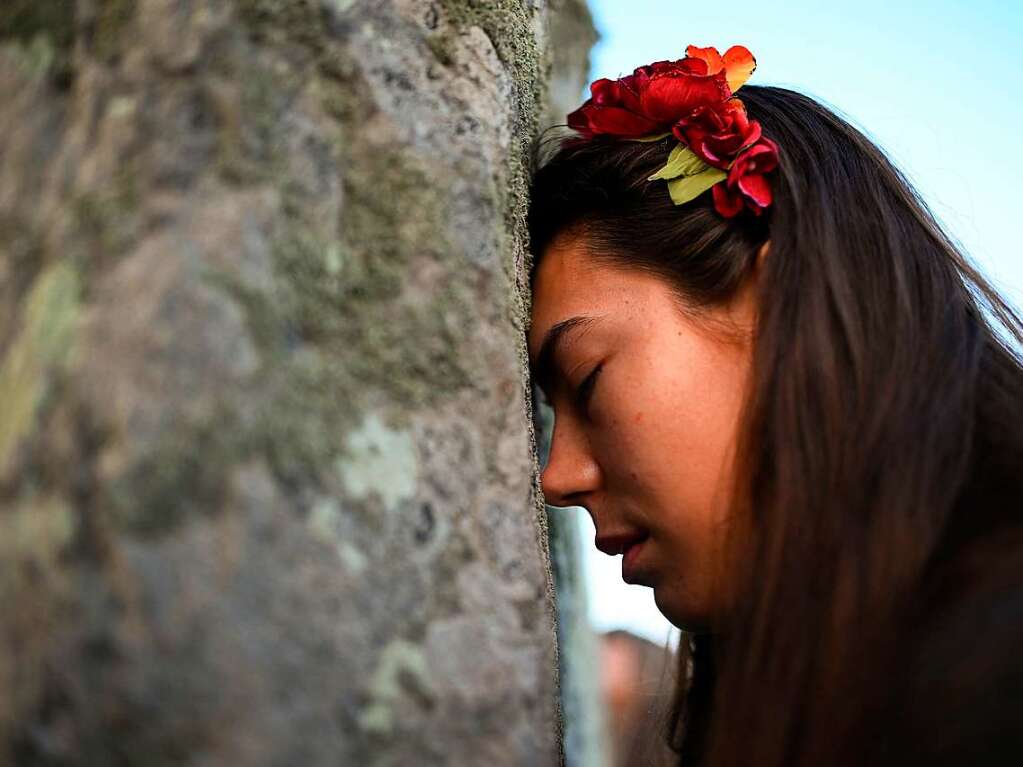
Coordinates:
<point>782,391</point>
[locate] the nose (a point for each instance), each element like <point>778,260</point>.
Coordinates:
<point>571,472</point>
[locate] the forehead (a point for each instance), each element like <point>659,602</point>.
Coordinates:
<point>570,282</point>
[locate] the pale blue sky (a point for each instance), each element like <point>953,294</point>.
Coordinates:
<point>937,85</point>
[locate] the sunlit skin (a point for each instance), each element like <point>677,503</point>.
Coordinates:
<point>651,451</point>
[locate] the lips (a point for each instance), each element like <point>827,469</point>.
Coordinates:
<point>613,544</point>
<point>629,572</point>
<point>629,543</point>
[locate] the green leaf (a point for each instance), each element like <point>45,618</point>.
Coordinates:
<point>690,187</point>
<point>652,137</point>
<point>681,162</point>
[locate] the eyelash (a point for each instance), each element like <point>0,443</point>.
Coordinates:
<point>585,390</point>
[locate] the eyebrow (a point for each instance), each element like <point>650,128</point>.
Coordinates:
<point>552,341</point>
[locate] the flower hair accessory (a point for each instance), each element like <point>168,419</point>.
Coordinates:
<point>719,147</point>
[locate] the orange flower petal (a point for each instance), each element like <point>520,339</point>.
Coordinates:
<point>739,65</point>
<point>710,55</point>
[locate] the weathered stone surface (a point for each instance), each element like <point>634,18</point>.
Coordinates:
<point>267,467</point>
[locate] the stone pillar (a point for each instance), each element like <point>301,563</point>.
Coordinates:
<point>268,490</point>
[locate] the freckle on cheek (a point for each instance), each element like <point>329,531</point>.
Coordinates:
<point>638,417</point>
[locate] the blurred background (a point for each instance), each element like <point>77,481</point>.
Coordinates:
<point>937,86</point>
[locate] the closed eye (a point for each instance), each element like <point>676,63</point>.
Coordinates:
<point>585,390</point>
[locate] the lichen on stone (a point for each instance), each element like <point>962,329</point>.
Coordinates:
<point>45,340</point>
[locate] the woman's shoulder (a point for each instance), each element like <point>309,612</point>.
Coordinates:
<point>960,670</point>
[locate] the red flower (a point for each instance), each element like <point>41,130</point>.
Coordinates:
<point>717,132</point>
<point>649,100</point>
<point>747,185</point>
<point>656,96</point>
<point>693,99</point>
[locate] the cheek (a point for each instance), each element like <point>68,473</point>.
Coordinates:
<point>675,433</point>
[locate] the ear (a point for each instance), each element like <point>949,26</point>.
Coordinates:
<point>762,252</point>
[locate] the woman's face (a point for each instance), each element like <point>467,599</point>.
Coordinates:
<point>646,402</point>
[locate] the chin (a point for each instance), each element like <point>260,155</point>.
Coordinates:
<point>683,614</point>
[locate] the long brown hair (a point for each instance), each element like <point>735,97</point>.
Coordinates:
<point>880,457</point>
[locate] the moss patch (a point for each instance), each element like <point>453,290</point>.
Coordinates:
<point>298,20</point>
<point>105,222</point>
<point>187,475</point>
<point>23,20</point>
<point>43,32</point>
<point>113,18</point>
